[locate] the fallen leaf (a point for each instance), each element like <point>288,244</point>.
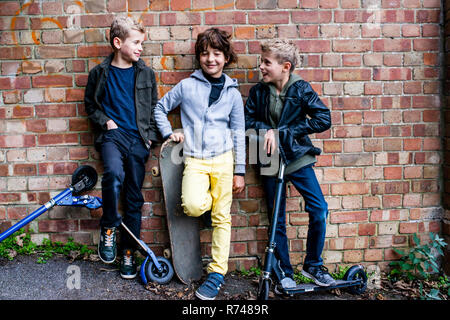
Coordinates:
<point>336,291</point>
<point>380,296</point>
<point>11,253</point>
<point>94,257</point>
<point>73,255</point>
<point>19,239</point>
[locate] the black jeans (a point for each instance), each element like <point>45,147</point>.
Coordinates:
<point>124,159</point>
<point>305,181</point>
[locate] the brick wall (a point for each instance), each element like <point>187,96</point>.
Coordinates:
<point>375,63</point>
<point>446,135</point>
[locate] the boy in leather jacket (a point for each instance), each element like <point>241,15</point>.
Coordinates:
<point>287,109</point>
<point>120,96</point>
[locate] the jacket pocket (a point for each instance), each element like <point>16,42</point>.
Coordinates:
<point>144,84</point>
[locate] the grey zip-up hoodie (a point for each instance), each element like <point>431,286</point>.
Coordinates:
<point>208,131</point>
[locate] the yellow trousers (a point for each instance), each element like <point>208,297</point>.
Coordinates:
<point>208,185</point>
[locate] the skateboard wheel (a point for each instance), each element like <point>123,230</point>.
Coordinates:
<point>155,171</point>
<point>167,253</point>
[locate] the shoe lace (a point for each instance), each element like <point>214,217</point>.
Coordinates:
<point>323,271</point>
<point>127,260</point>
<point>109,238</point>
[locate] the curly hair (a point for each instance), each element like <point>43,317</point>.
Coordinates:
<point>217,39</point>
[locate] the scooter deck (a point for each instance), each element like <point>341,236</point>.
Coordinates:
<point>184,231</point>
<point>311,287</point>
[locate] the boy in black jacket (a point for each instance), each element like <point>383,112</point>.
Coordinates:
<point>120,97</point>
<point>288,109</point>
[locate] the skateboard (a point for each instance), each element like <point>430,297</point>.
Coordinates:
<point>184,231</point>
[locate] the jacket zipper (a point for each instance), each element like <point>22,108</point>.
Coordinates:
<point>207,111</point>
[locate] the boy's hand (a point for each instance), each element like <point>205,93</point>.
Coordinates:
<point>110,124</point>
<point>238,184</point>
<point>270,144</point>
<point>177,137</point>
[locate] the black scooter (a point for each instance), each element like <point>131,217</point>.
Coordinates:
<point>355,279</point>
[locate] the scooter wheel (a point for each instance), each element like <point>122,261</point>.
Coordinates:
<point>263,289</point>
<point>88,175</point>
<point>356,273</point>
<point>154,275</point>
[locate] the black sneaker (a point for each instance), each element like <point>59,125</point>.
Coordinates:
<point>107,248</point>
<point>320,276</point>
<point>128,269</point>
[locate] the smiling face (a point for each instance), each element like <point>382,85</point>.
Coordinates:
<point>273,71</point>
<point>130,49</point>
<point>212,61</point>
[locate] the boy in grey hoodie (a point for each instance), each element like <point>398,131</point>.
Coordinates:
<point>212,116</point>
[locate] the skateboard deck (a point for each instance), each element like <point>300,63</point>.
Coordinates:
<point>184,231</point>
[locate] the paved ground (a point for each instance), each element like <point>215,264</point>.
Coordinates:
<point>61,279</point>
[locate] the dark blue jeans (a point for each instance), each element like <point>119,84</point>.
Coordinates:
<point>124,159</point>
<point>305,181</point>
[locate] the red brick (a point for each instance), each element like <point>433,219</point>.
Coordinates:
<point>392,74</point>
<point>408,227</point>
<point>52,139</point>
<point>52,81</point>
<point>348,217</point>
<point>268,17</point>
<point>225,17</point>
<point>351,74</point>
<point>179,18</point>
<point>58,225</point>
<point>426,44</point>
<point>427,16</point>
<point>352,46</point>
<point>174,77</point>
<point>349,188</point>
<point>94,51</point>
<point>56,110</point>
<point>316,16</point>
<point>9,8</point>
<point>17,141</point>
<point>10,83</point>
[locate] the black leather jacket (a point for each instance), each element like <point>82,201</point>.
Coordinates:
<point>146,97</point>
<point>303,113</point>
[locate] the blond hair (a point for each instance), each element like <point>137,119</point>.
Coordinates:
<point>284,51</point>
<point>121,27</point>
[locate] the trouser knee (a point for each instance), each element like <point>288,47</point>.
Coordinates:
<point>193,208</point>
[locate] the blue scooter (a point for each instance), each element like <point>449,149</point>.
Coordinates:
<point>84,178</point>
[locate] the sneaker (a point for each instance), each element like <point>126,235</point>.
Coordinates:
<point>320,276</point>
<point>210,288</point>
<point>128,269</point>
<point>288,283</point>
<point>285,284</point>
<point>107,249</point>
